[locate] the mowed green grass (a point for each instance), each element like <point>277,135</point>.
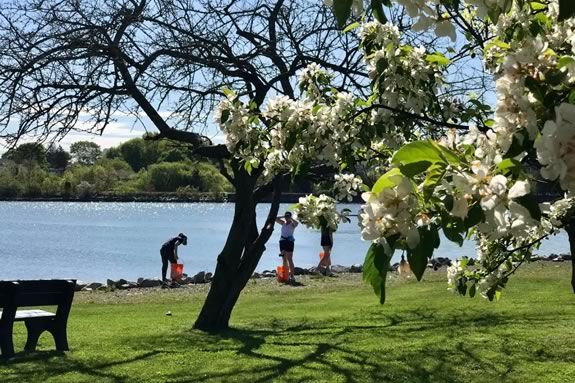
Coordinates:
<point>330,330</point>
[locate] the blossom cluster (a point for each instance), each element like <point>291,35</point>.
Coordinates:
<point>346,186</point>
<point>391,213</point>
<point>321,211</point>
<point>403,76</point>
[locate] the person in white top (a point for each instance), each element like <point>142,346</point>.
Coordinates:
<point>287,242</point>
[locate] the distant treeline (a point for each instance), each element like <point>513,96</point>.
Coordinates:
<point>134,167</point>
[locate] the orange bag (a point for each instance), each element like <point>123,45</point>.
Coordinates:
<point>282,275</point>
<point>177,272</point>
<point>321,256</point>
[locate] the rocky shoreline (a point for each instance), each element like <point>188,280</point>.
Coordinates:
<point>204,277</point>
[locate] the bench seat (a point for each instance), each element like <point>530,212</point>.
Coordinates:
<point>30,314</point>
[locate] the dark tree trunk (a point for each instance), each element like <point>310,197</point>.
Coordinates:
<point>571,232</point>
<point>240,255</point>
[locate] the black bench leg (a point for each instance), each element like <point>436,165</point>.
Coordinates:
<point>60,337</point>
<point>6,342</point>
<point>35,329</point>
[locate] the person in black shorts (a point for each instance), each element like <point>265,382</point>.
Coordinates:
<point>287,240</point>
<point>324,266</point>
<point>169,252</point>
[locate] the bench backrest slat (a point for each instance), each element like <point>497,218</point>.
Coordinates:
<point>37,293</point>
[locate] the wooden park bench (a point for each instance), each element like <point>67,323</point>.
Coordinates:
<point>15,294</point>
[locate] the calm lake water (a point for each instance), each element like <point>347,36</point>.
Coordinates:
<point>96,241</point>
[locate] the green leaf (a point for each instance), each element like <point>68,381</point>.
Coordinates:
<point>529,202</point>
<point>453,228</point>
<point>342,11</point>
<point>377,9</point>
<point>566,9</point>
<point>517,145</point>
<point>291,140</point>
<point>446,154</point>
<point>437,58</point>
<point>509,166</point>
<point>375,269</point>
<point>418,257</point>
<point>535,88</point>
<point>434,176</point>
<point>472,290</point>
<point>248,167</point>
<point>475,215</point>
<point>416,157</point>
<point>497,295</point>
<point>225,116</point>
<point>494,13</point>
<point>351,27</point>
<point>227,91</point>
<point>564,61</point>
<point>386,181</point>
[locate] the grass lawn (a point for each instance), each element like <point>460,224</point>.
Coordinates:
<point>331,329</point>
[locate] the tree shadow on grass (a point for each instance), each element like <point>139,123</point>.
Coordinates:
<point>409,346</point>
<point>55,363</point>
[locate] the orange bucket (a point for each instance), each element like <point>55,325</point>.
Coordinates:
<point>282,275</point>
<point>177,272</point>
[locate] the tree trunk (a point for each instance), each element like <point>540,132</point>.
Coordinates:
<point>570,228</point>
<point>239,257</point>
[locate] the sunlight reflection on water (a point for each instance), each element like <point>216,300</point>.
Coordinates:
<point>95,241</point>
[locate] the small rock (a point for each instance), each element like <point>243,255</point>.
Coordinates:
<point>150,283</point>
<point>87,289</point>
<point>339,269</point>
<point>566,257</point>
<point>267,274</point>
<point>79,285</point>
<point>94,285</point>
<point>125,286</point>
<point>121,282</point>
<point>300,271</point>
<point>199,277</point>
<point>357,268</point>
<point>110,283</point>
<point>558,259</point>
<point>168,313</point>
<point>102,288</point>
<point>140,280</point>
<point>256,276</point>
<point>209,277</point>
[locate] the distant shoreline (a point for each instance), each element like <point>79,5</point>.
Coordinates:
<point>159,197</point>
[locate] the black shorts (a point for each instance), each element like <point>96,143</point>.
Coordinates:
<point>326,240</point>
<point>286,245</point>
<point>167,256</point>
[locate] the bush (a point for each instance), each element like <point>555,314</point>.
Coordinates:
<point>9,188</point>
<point>85,190</point>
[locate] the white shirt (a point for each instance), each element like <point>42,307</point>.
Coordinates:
<point>287,230</point>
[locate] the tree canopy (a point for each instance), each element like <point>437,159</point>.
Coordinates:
<point>397,102</point>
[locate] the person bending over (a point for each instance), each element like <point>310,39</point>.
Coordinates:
<point>287,241</point>
<point>169,252</point>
